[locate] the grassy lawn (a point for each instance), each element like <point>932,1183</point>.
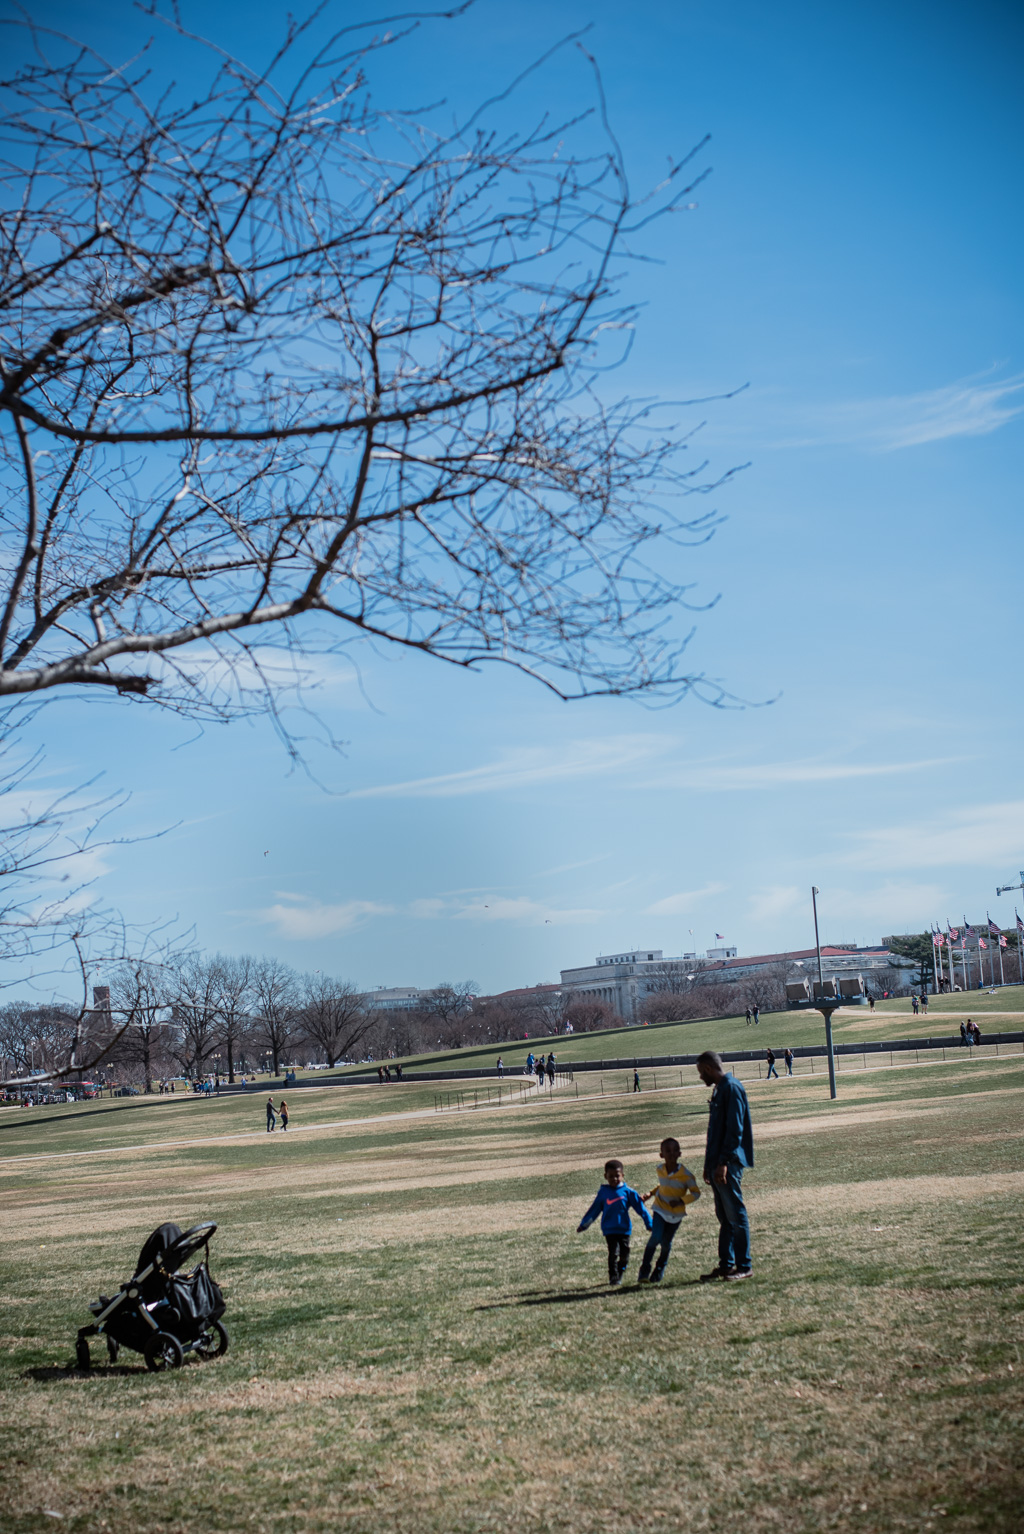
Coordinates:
<point>420,1341</point>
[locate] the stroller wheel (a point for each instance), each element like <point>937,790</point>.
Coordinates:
<point>82,1359</point>
<point>163,1351</point>
<point>214,1341</point>
<point>113,1348</point>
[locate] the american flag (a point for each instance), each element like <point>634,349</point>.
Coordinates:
<point>720,936</point>
<point>1020,924</point>
<point>938,939</point>
<point>993,930</point>
<point>954,932</point>
<point>1002,941</point>
<point>968,929</point>
<point>982,943</point>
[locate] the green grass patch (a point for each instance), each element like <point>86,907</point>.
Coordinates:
<point>421,1342</point>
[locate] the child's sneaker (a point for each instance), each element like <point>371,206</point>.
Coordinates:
<point>735,1274</point>
<point>713,1276</point>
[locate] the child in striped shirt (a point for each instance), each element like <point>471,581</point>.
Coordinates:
<point>676,1188</point>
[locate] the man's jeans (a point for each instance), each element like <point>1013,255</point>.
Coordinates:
<point>662,1234</point>
<point>733,1224</point>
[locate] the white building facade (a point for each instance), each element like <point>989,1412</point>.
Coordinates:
<point>623,980</point>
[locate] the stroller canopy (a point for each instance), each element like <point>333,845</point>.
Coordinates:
<point>172,1246</point>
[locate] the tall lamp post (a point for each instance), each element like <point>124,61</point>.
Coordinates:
<point>846,992</point>
<point>826,1005</point>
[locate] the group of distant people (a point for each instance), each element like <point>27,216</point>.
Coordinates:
<point>536,1065</point>
<point>729,1149</point>
<point>384,1072</point>
<point>970,1034</point>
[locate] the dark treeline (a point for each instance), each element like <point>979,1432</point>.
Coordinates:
<point>200,1016</point>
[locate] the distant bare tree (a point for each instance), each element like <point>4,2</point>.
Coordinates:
<point>34,1038</point>
<point>446,1010</point>
<point>333,1015</point>
<point>193,991</point>
<point>275,1002</point>
<point>274,353</point>
<point>234,987</point>
<point>766,986</point>
<point>138,995</point>
<point>586,1013</point>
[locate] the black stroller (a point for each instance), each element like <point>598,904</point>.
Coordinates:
<point>161,1312</point>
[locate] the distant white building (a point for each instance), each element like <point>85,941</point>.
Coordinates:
<point>622,980</point>
<point>394,998</point>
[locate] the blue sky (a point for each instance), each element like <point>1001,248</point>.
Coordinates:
<point>855,259</point>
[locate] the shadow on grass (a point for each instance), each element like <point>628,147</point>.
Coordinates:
<point>577,1296</point>
<point>93,1113</point>
<point>48,1373</point>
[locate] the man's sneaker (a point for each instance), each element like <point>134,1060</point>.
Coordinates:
<point>735,1274</point>
<point>656,1278</point>
<point>643,1278</point>
<point>713,1276</point>
<point>613,1283</point>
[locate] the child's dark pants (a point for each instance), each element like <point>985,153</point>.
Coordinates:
<point>618,1257</point>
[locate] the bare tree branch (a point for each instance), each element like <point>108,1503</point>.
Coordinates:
<point>280,367</point>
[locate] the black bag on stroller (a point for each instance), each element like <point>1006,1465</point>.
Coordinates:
<point>162,1312</point>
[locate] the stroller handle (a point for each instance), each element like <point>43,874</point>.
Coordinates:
<point>186,1245</point>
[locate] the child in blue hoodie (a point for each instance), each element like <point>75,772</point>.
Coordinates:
<point>613,1202</point>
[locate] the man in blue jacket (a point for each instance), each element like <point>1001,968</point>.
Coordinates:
<point>730,1148</point>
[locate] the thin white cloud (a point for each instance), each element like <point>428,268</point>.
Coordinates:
<point>775,901</point>
<point>971,407</point>
<point>303,918</point>
<point>989,834</point>
<point>523,911</point>
<point>525,768</point>
<point>893,906</point>
<point>683,902</point>
<point>714,777</point>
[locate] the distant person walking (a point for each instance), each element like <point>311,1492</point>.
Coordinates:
<point>501,1067</point>
<point>271,1115</point>
<point>540,1070</point>
<point>551,1066</point>
<point>748,1017</point>
<point>915,1004</point>
<point>729,1148</point>
<point>788,1057</point>
<point>970,1034</point>
<point>757,1015</point>
<point>770,1057</point>
<point>871,1001</point>
<point>963,1033</point>
<point>924,1002</point>
<point>636,1080</point>
<point>283,1114</point>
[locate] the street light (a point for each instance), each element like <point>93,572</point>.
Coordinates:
<point>798,997</point>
